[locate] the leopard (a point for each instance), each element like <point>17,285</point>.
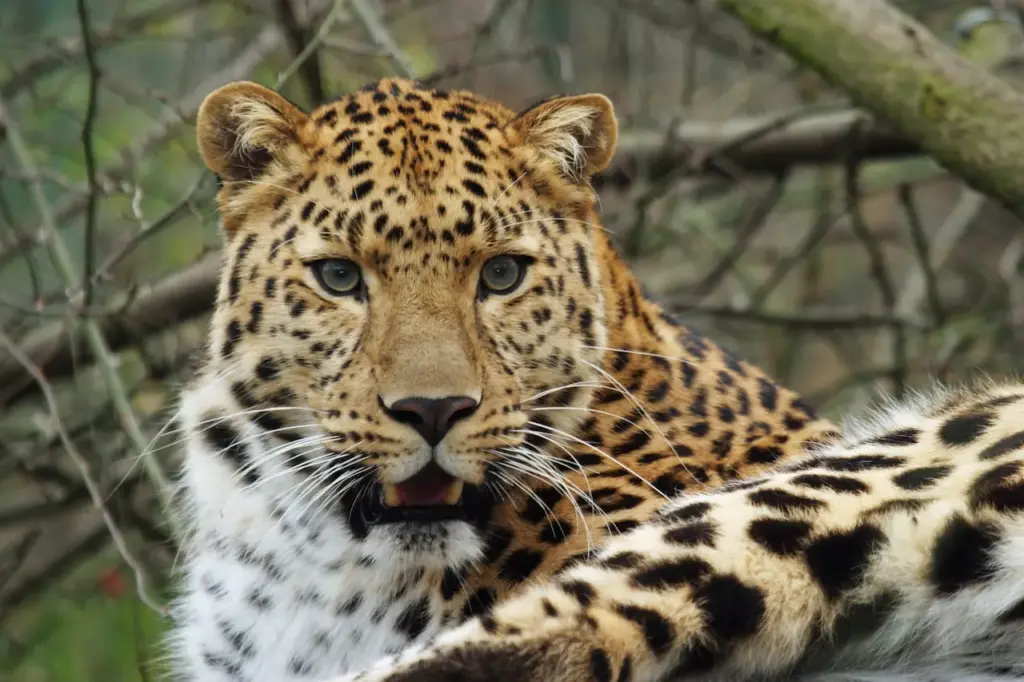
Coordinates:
<point>441,431</point>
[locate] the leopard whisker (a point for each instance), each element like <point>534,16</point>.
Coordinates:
<point>528,467</point>
<point>589,410</point>
<point>577,384</point>
<point>599,452</point>
<point>630,351</point>
<point>642,409</point>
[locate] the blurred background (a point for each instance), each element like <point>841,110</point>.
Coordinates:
<point>748,195</point>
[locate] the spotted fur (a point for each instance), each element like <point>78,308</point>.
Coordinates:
<point>594,408</point>
<point>895,554</point>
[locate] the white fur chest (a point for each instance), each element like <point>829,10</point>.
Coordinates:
<point>274,586</point>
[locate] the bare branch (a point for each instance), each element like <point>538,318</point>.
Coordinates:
<point>141,581</point>
<point>94,335</point>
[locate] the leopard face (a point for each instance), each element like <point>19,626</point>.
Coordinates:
<point>408,273</point>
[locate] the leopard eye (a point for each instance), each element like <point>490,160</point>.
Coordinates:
<point>337,276</point>
<point>502,274</point>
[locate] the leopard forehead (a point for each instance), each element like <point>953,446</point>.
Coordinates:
<point>413,180</point>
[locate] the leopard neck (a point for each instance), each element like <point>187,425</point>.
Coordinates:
<point>689,394</point>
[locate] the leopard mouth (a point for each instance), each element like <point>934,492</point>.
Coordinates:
<point>432,494</point>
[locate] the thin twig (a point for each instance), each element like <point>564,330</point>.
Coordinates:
<point>94,335</point>
<point>746,233</point>
<point>311,47</point>
<point>141,581</point>
<point>298,39</point>
<point>382,38</point>
<point>878,268</point>
<point>821,322</point>
<point>920,243</point>
<point>90,154</point>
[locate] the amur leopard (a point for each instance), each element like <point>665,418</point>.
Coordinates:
<point>440,433</point>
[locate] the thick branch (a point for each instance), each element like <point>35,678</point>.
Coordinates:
<point>966,118</point>
<point>761,144</point>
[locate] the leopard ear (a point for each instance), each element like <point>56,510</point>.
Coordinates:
<point>242,128</point>
<point>577,132</point>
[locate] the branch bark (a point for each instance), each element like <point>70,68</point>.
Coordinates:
<point>746,145</point>
<point>966,118</point>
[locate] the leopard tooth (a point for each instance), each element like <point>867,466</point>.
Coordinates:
<point>391,496</point>
<point>454,492</point>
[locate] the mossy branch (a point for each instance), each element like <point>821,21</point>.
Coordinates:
<point>966,118</point>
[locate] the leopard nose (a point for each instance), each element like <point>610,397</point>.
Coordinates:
<point>431,417</point>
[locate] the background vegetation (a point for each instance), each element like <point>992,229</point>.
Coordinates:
<point>748,194</point>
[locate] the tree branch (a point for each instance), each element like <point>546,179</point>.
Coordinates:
<point>966,118</point>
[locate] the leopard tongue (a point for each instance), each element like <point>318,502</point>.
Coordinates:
<point>432,486</point>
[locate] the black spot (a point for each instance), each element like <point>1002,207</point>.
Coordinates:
<point>357,169</point>
<point>232,335</point>
<point>733,609</point>
<point>224,439</point>
<point>582,592</point>
<point>965,428</point>
<point>581,263</point>
<point>692,534</point>
<point>351,605</point>
<point>626,671</point>
<point>665,574</point>
<point>555,532</point>
<point>349,151</point>
<point>690,512</point>
<point>784,537</point>
<point>621,503</point>
<point>267,370</point>
<point>230,668</point>
<point>767,394</point>
<point>838,561</point>
<point>520,564</point>
<point>763,454</point>
<point>451,583</point>
<point>658,632</point>
<point>623,560</point>
<point>962,555</point>
<point>839,484</point>
<point>1014,613</point>
<point>908,436</point>
<point>863,619</point>
<point>636,441</point>
<point>498,540</point>
<point>474,187</point>
<point>999,488</point>
<point>658,392</point>
<point>922,477</point>
<point>1003,446</point>
<point>860,462</point>
<point>479,602</point>
<point>539,505</point>
<point>783,501</point>
<point>600,667</point>
<point>621,526</point>
<point>897,505</point>
<point>361,190</point>
<point>414,619</point>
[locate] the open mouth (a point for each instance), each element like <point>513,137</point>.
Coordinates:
<point>431,495</point>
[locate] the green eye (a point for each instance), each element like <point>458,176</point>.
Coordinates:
<point>338,276</point>
<point>502,274</point>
